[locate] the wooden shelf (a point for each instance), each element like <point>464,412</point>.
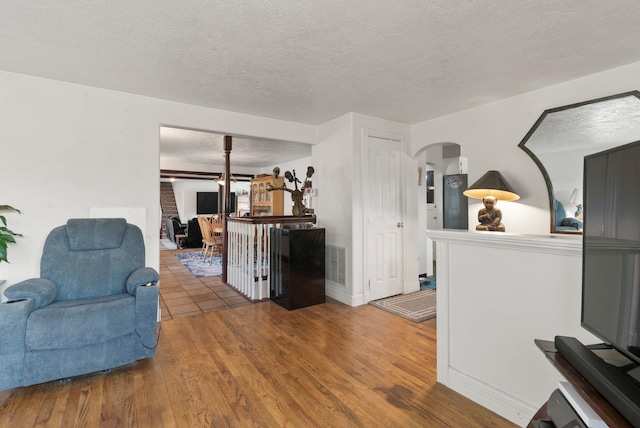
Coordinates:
<point>263,202</point>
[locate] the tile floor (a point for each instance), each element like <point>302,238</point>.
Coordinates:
<point>182,294</point>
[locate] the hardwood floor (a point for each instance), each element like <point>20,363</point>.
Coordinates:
<point>328,365</point>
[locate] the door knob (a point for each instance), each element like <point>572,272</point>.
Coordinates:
<point>400,224</point>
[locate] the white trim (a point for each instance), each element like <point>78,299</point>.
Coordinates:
<point>570,245</point>
<point>442,303</point>
<point>339,292</point>
<point>508,406</point>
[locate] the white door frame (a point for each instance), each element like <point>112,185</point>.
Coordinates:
<point>366,133</point>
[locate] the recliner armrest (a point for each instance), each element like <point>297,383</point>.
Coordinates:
<point>42,291</point>
<point>140,277</point>
<point>14,316</point>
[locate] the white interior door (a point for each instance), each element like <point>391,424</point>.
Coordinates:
<point>385,218</point>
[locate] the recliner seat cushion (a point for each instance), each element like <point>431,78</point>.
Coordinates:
<point>75,323</point>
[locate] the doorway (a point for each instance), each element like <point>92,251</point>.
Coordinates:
<point>383,202</point>
<point>439,161</point>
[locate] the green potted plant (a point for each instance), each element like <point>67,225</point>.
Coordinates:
<point>6,236</point>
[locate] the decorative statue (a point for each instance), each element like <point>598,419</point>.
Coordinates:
<point>490,217</point>
<point>296,194</point>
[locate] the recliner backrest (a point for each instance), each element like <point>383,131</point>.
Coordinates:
<point>92,257</point>
<point>561,213</point>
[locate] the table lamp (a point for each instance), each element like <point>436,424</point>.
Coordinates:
<point>576,199</point>
<point>491,187</point>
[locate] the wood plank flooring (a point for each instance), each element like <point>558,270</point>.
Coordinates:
<point>260,365</point>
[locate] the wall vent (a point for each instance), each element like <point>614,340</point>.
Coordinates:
<point>336,264</point>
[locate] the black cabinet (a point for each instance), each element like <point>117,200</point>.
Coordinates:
<point>297,267</point>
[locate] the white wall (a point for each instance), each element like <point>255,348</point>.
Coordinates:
<point>67,148</point>
<point>489,136</point>
<point>333,161</point>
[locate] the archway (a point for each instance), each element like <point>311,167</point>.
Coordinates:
<point>435,161</point>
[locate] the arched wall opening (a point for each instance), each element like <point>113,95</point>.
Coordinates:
<point>435,161</point>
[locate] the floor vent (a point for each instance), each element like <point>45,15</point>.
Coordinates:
<point>336,264</point>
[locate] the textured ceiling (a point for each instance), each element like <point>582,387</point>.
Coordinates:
<point>206,148</point>
<point>310,61</point>
<point>588,128</point>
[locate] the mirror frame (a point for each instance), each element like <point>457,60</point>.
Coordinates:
<point>545,174</point>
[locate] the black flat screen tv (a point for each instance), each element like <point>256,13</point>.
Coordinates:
<point>611,277</point>
<point>611,248</point>
<point>206,203</point>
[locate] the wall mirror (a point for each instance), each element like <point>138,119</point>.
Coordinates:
<point>563,136</point>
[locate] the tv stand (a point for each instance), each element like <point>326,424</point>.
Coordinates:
<point>592,396</point>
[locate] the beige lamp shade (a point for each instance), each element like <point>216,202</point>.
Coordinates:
<point>576,197</point>
<point>492,184</point>
<point>220,179</point>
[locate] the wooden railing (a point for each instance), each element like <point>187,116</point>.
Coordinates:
<point>248,252</point>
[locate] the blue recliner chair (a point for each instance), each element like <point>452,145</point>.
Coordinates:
<point>93,308</point>
<point>562,221</point>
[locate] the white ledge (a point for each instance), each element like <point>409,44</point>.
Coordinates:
<point>557,244</point>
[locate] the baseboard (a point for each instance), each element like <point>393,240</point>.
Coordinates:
<point>339,292</point>
<point>505,405</point>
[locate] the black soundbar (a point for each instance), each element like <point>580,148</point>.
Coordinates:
<point>618,388</point>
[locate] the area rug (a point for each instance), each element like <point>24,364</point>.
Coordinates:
<point>417,307</point>
<point>193,261</point>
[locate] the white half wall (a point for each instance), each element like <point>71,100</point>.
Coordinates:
<point>497,292</point>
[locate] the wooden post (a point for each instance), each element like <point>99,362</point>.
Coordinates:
<point>227,186</point>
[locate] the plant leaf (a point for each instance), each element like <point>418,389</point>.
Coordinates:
<point>4,239</point>
<point>5,231</point>
<point>8,208</point>
<point>3,251</point>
